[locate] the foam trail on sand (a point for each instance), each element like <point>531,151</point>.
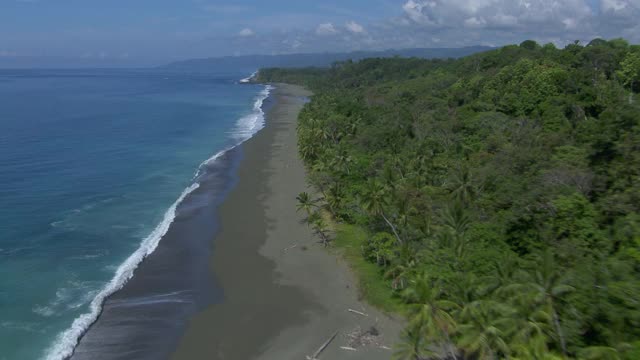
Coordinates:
<point>67,341</point>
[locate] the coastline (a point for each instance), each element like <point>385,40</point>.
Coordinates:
<point>284,294</point>
<point>143,314</point>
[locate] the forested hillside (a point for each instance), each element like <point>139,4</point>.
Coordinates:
<point>499,194</point>
<point>253,62</point>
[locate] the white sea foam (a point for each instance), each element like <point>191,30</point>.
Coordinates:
<point>66,342</point>
<point>245,128</point>
<point>248,125</point>
<point>247,79</point>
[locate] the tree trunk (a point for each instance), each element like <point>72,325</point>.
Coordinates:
<point>393,228</point>
<point>556,324</point>
<point>450,346</point>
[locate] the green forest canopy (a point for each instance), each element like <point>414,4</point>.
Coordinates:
<point>500,193</point>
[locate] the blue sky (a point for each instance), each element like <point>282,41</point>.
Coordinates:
<point>165,30</point>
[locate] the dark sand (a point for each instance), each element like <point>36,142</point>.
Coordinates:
<point>280,302</point>
<point>145,319</point>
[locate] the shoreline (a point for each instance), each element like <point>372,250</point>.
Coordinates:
<point>157,289</point>
<point>284,294</point>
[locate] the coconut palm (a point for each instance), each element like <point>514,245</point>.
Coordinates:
<point>485,330</point>
<point>306,203</point>
<point>539,294</point>
<point>457,221</point>
<point>533,335</point>
<point>374,199</point>
<point>319,227</point>
<point>462,186</point>
<point>534,349</point>
<point>429,311</point>
<point>333,199</point>
<point>308,151</point>
<point>412,346</point>
<point>548,285</point>
<point>504,272</point>
<point>401,268</point>
<point>343,162</point>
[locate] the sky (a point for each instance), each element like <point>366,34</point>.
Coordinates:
<point>159,31</point>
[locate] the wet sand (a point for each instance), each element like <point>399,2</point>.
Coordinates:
<point>284,294</point>
<point>146,318</point>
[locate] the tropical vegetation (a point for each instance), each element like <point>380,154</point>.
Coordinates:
<point>499,193</point>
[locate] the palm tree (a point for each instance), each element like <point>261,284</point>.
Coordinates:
<point>485,329</point>
<point>306,203</point>
<point>402,267</point>
<point>412,347</point>
<point>308,151</point>
<point>548,285</point>
<point>504,272</point>
<point>534,349</point>
<point>333,198</point>
<point>538,295</point>
<point>428,310</point>
<point>533,334</point>
<point>457,220</point>
<point>374,199</point>
<point>465,288</point>
<point>343,161</point>
<point>320,227</point>
<point>462,186</point>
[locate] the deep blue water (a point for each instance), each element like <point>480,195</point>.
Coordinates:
<point>91,162</point>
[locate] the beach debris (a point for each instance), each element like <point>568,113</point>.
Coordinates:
<point>321,348</point>
<point>290,247</point>
<point>348,348</point>
<point>359,338</point>
<point>357,312</point>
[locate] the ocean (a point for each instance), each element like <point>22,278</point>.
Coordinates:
<point>95,167</point>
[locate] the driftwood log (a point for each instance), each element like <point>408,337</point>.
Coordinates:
<point>321,348</point>
<point>357,312</point>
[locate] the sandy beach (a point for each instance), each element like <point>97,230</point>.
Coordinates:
<point>284,294</point>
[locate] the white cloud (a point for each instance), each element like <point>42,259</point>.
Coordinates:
<point>474,22</point>
<point>292,44</point>
<point>326,29</point>
<point>614,5</point>
<point>496,13</point>
<point>246,32</point>
<point>452,23</point>
<point>355,28</point>
<point>417,10</point>
<point>501,19</point>
<point>570,23</point>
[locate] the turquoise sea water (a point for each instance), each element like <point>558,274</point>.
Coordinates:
<point>91,163</point>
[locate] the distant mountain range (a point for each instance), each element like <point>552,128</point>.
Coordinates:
<point>252,62</point>
<point>247,63</point>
